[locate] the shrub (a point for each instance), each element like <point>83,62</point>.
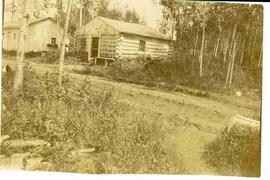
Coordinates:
<point>78,116</point>
<point>234,152</point>
<point>9,52</point>
<point>32,54</point>
<point>82,56</point>
<point>51,57</point>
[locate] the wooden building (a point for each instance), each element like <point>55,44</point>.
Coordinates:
<point>44,34</point>
<point>107,38</point>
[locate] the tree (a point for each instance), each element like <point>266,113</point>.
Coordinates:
<point>63,43</point>
<point>227,48</point>
<point>18,80</point>
<point>131,16</point>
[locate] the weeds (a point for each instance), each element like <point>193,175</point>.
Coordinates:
<point>234,152</point>
<point>77,116</point>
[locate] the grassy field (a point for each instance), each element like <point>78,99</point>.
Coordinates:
<point>192,122</point>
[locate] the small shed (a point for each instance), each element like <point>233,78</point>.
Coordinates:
<point>108,38</point>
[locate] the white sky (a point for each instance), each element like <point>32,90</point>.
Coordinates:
<point>145,8</point>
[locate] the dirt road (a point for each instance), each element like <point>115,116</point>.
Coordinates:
<point>191,121</point>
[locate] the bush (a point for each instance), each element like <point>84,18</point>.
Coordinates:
<point>9,52</point>
<point>32,54</point>
<point>235,153</point>
<point>83,56</point>
<point>78,116</point>
<point>184,72</point>
<point>51,57</point>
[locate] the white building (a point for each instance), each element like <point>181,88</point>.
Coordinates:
<point>44,34</point>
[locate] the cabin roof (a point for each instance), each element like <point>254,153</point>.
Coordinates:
<point>16,24</point>
<point>132,28</point>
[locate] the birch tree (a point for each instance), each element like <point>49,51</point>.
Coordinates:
<point>18,80</point>
<point>63,43</point>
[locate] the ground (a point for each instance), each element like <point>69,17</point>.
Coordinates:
<point>202,117</point>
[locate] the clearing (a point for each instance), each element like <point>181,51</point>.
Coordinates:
<point>191,121</point>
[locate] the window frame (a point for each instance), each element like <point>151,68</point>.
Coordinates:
<point>53,40</point>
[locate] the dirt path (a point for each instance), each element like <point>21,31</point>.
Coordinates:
<point>191,121</point>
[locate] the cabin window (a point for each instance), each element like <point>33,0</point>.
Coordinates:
<point>53,41</point>
<point>142,45</point>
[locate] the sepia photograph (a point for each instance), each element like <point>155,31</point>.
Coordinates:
<point>132,87</point>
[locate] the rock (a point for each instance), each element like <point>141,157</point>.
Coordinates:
<point>26,143</point>
<point>243,123</point>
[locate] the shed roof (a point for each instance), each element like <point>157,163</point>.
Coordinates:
<point>17,23</point>
<point>132,28</point>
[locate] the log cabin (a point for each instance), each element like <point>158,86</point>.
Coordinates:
<point>112,39</point>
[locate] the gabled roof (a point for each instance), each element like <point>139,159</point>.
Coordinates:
<point>132,28</point>
<point>17,24</point>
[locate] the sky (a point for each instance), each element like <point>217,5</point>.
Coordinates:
<point>148,10</point>
<point>145,8</point>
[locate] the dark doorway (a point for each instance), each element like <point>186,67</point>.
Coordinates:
<point>94,47</point>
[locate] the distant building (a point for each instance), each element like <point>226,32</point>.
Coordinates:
<point>43,35</point>
<point>107,38</point>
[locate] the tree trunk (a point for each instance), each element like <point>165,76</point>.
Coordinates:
<point>205,46</point>
<point>233,60</point>
<point>260,58</point>
<point>196,40</point>
<point>216,49</point>
<point>18,80</point>
<point>243,50</point>
<point>202,49</point>
<point>226,50</point>
<point>81,13</point>
<point>231,57</point>
<point>228,74</point>
<point>254,45</point>
<point>63,43</point>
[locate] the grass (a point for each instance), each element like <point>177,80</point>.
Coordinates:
<point>76,116</point>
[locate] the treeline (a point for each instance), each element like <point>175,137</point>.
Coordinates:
<point>219,39</point>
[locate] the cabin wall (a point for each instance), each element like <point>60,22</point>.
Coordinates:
<point>10,39</point>
<point>38,38</point>
<point>108,46</point>
<point>40,35</point>
<point>108,38</point>
<point>129,47</point>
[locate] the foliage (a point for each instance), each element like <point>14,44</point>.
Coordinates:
<point>219,21</point>
<point>82,56</point>
<point>235,152</point>
<point>78,116</point>
<point>175,72</point>
<point>9,52</point>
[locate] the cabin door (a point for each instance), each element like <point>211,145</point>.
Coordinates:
<point>95,47</point>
